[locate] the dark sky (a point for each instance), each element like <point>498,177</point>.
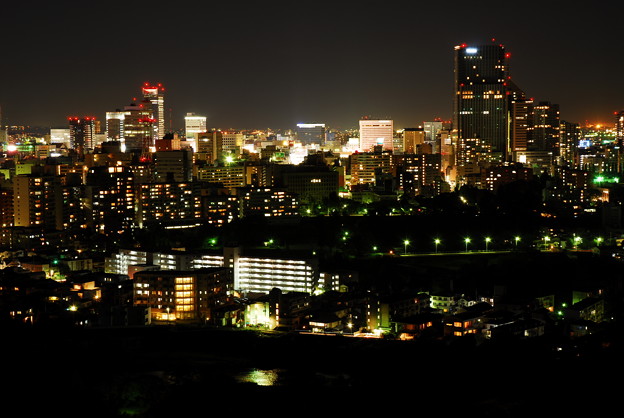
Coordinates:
<point>267,64</point>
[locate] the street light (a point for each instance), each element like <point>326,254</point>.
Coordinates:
<point>487,241</point>
<point>546,239</point>
<point>467,241</point>
<point>516,239</point>
<point>406,242</point>
<point>598,241</point>
<point>437,242</point>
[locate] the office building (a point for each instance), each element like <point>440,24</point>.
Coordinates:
<point>60,137</point>
<point>413,138</point>
<point>155,95</point>
<point>194,125</point>
<point>375,132</point>
<point>210,146</point>
<point>544,128</point>
<point>138,128</point>
<point>81,133</point>
<point>481,104</point>
<point>364,166</point>
<point>173,165</point>
<point>115,125</point>
<point>310,133</point>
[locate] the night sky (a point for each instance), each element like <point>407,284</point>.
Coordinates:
<point>266,64</point>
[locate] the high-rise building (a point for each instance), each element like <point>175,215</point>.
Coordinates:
<point>194,125</point>
<point>173,165</point>
<point>138,127</point>
<point>311,133</point>
<point>412,139</point>
<point>481,103</point>
<point>115,125</point>
<point>156,96</point>
<point>37,201</point>
<point>544,128</point>
<point>375,132</point>
<point>210,146</point>
<point>570,135</point>
<point>110,199</point>
<point>81,133</point>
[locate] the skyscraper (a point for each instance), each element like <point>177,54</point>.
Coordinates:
<point>481,103</point>
<point>156,96</point>
<point>81,133</point>
<point>138,128</point>
<point>544,129</point>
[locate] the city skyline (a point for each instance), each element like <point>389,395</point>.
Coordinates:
<point>268,66</point>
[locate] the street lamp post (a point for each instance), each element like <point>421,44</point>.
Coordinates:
<point>466,241</point>
<point>516,239</point>
<point>487,241</point>
<point>406,242</point>
<point>437,242</point>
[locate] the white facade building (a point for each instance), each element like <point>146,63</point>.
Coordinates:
<point>194,125</point>
<point>375,132</point>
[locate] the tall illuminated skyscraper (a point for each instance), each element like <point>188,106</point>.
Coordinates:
<point>156,96</point>
<point>481,104</point>
<point>81,133</point>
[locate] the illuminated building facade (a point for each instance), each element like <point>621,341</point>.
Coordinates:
<point>497,175</point>
<point>110,199</point>
<point>268,202</point>
<point>37,201</point>
<point>115,125</point>
<point>138,128</point>
<point>81,133</point>
<point>252,273</point>
<point>365,165</point>
<point>311,133</point>
<point>230,176</point>
<point>155,95</point>
<point>544,128</point>
<point>570,135</point>
<point>420,174</point>
<point>164,203</point>
<point>520,112</point>
<point>219,210</point>
<point>60,136</point>
<point>210,146</point>
<point>174,165</point>
<point>413,138</point>
<point>185,296</point>
<point>376,132</point>
<point>258,274</point>
<point>194,125</point>
<point>481,103</point>
<point>232,143</point>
